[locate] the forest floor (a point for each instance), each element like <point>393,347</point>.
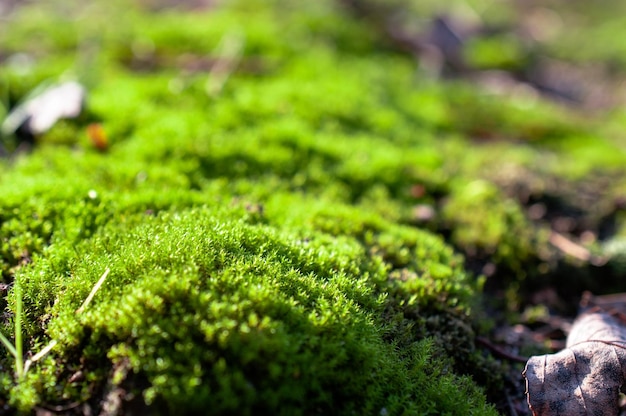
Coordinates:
<point>446,183</point>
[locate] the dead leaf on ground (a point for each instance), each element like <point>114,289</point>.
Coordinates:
<point>587,376</point>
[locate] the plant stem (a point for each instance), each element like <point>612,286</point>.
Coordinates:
<point>5,341</point>
<point>19,362</point>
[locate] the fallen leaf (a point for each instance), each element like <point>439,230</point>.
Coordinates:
<point>38,114</point>
<point>587,376</point>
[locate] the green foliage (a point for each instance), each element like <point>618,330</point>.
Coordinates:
<point>245,293</point>
<point>486,223</point>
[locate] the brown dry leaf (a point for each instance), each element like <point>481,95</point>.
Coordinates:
<point>586,377</point>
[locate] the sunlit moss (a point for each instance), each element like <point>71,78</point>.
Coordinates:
<point>264,250</point>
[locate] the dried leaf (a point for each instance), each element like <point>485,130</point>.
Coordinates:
<point>586,377</point>
<point>39,114</point>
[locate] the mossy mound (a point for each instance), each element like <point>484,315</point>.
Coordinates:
<point>215,312</point>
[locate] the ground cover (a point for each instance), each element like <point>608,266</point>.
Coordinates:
<point>298,216</point>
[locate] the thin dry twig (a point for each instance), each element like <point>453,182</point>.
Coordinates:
<point>575,250</point>
<point>93,292</point>
<point>39,355</point>
<point>229,54</point>
<point>569,247</point>
<point>500,352</point>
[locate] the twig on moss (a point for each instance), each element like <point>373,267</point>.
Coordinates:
<point>93,292</point>
<point>53,343</point>
<point>229,53</point>
<point>569,247</point>
<point>575,250</point>
<point>21,367</point>
<point>500,352</point>
<point>39,355</point>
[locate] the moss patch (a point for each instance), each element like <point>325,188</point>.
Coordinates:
<point>303,231</point>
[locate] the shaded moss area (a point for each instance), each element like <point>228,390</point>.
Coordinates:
<point>297,219</point>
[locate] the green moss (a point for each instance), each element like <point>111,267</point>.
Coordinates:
<point>490,225</point>
<point>504,52</point>
<point>264,249</point>
<point>268,307</point>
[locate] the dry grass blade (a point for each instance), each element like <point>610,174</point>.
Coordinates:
<point>93,292</point>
